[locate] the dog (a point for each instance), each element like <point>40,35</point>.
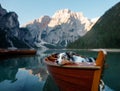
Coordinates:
<point>71,57</point>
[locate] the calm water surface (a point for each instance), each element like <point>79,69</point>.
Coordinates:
<point>30,74</point>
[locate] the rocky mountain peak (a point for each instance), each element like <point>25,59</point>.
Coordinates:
<point>63,27</point>
<point>43,19</point>
<point>9,30</point>
<point>66,13</point>
<point>60,13</point>
<point>9,20</point>
<point>65,16</point>
<point>41,22</point>
<point>72,18</point>
<point>2,11</point>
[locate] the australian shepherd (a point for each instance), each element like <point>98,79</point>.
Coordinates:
<point>73,57</point>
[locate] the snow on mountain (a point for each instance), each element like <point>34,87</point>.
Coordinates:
<point>63,27</point>
<point>72,18</point>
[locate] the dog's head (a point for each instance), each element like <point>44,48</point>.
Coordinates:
<point>64,58</point>
<point>61,57</point>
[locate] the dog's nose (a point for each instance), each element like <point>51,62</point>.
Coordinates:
<point>57,62</point>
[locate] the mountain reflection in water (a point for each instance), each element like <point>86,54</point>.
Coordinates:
<point>22,74</point>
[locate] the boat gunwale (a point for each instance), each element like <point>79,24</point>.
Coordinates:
<point>79,66</point>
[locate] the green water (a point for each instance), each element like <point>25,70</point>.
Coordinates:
<point>30,74</point>
<point>112,71</point>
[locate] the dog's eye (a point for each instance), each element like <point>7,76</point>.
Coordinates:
<point>63,57</point>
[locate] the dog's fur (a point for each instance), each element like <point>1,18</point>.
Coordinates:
<point>72,57</point>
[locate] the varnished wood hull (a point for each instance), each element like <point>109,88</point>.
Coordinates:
<point>72,79</point>
<point>8,52</point>
<point>76,77</point>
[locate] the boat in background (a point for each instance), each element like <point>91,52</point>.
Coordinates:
<point>76,77</point>
<point>17,52</point>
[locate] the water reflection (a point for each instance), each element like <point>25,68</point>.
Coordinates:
<point>23,73</point>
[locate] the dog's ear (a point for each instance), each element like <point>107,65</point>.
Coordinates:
<point>58,54</point>
<point>68,54</point>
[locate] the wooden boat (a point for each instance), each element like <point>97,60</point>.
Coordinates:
<point>76,77</point>
<point>12,52</point>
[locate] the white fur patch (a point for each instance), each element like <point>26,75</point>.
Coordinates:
<point>73,58</point>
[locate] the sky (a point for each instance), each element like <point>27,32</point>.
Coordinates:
<point>28,10</point>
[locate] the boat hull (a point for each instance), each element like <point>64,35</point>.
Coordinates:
<point>72,79</point>
<point>17,52</point>
<point>76,77</point>
<point>8,53</point>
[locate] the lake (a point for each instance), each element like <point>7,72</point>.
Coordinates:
<point>29,73</point>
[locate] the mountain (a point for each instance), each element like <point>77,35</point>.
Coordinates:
<point>63,27</point>
<point>9,30</point>
<point>104,34</point>
<point>35,28</point>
